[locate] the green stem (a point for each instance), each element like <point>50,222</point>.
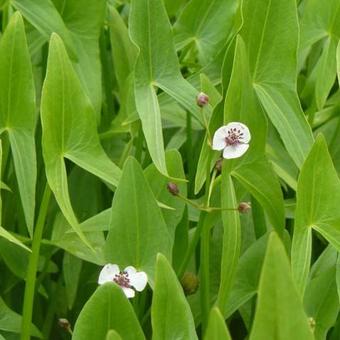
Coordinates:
<point>190,160</point>
<point>205,257</point>
<point>202,207</point>
<point>205,209</point>
<point>205,275</point>
<point>33,266</point>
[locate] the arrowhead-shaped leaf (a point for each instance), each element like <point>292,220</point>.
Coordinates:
<point>108,308</point>
<point>317,207</point>
<point>69,130</point>
<point>279,311</point>
<point>17,110</point>
<point>150,30</point>
<point>170,312</point>
<point>138,231</point>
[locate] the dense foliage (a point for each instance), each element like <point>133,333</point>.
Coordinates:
<point>169,169</point>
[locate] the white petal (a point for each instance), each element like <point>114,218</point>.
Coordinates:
<point>245,138</point>
<point>108,273</point>
<point>138,280</point>
<point>235,151</point>
<point>129,293</point>
<point>130,270</point>
<point>219,142</point>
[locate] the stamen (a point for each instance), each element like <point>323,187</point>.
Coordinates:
<point>122,279</point>
<point>233,137</point>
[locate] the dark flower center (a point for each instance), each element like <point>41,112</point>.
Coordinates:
<point>234,136</point>
<point>122,279</point>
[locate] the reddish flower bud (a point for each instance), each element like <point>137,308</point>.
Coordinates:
<point>244,207</point>
<point>202,99</point>
<point>173,188</point>
<point>189,283</point>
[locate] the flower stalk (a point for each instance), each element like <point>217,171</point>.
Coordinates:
<point>33,266</point>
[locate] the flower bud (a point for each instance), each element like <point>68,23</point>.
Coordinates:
<point>173,188</point>
<point>65,324</point>
<point>202,99</point>
<point>244,207</point>
<point>189,283</point>
<point>218,165</point>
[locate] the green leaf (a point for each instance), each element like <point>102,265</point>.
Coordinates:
<point>79,32</point>
<point>71,272</point>
<point>11,321</point>
<point>319,21</point>
<point>170,312</point>
<point>287,320</point>
<point>172,6</point>
<point>45,18</point>
<point>124,53</point>
<point>85,29</point>
<point>323,74</point>
<point>317,208</point>
<point>217,328</point>
<point>283,108</point>
<point>231,240</point>
<point>64,237</point>
<point>260,180</point>
<point>158,184</point>
<point>4,186</point>
<point>247,275</point>
<point>242,105</point>
<point>69,130</point>
<point>321,299</point>
<point>270,33</point>
<point>108,308</point>
<point>9,237</point>
<point>150,30</point>
<point>338,61</point>
<point>137,231</point>
<point>17,112</point>
<point>207,24</point>
<point>282,163</point>
<point>206,154</point>
<point>15,258</point>
<point>112,335</point>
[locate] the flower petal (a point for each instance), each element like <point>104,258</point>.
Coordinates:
<point>108,273</point>
<point>219,142</point>
<point>129,292</point>
<point>235,151</point>
<point>130,270</point>
<point>138,280</point>
<point>245,138</point>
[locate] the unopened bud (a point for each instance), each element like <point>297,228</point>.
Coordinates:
<point>65,324</point>
<point>173,188</point>
<point>189,283</point>
<point>202,99</point>
<point>312,323</point>
<point>218,165</point>
<point>244,207</point>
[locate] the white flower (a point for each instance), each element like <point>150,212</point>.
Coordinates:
<point>128,279</point>
<point>233,139</point>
